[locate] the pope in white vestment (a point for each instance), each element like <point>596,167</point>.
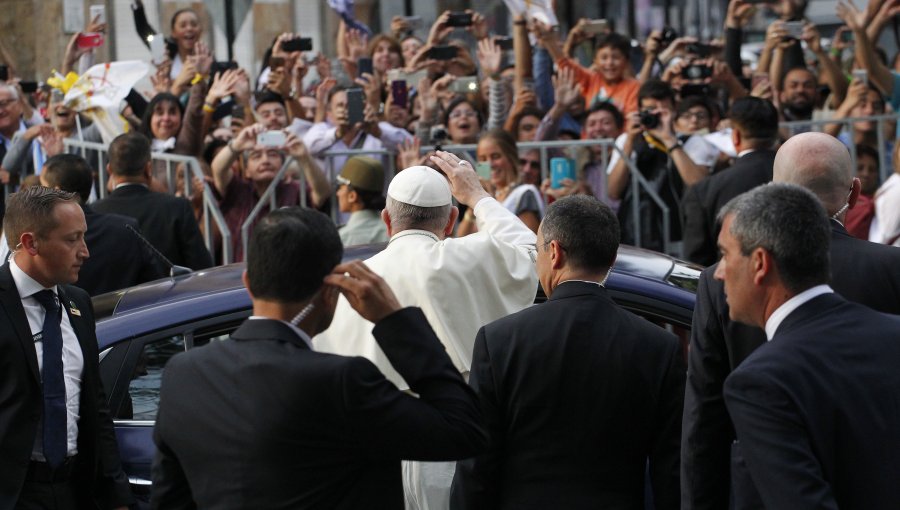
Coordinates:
<point>461,284</point>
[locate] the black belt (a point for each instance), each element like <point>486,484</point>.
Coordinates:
<point>39,471</point>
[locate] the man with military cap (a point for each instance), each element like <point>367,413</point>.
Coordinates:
<point>359,192</point>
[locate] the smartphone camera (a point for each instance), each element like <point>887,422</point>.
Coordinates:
<point>297,44</point>
<point>649,120</point>
<point>459,19</point>
<point>438,134</point>
<point>271,139</point>
<point>698,49</point>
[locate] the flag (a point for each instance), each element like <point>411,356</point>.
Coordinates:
<point>99,93</point>
<point>344,9</point>
<point>540,9</point>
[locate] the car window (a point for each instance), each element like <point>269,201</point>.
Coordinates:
<point>143,389</point>
<point>142,399</point>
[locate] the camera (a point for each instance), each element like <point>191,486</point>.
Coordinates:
<point>439,134</point>
<point>696,72</point>
<point>649,119</point>
<point>668,36</point>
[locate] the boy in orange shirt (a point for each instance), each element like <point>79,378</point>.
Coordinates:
<point>606,79</point>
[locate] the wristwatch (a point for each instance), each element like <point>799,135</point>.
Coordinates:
<point>676,145</point>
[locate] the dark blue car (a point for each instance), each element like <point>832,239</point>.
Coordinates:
<point>141,328</point>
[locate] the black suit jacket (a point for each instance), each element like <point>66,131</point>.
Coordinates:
<point>98,472</point>
<point>702,201</point>
<point>166,220</point>
<point>577,395</point>
<point>817,409</point>
<point>863,272</point>
<point>118,258</point>
<point>261,421</point>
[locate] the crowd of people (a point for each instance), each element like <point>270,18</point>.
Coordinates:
<point>424,377</point>
<point>682,111</point>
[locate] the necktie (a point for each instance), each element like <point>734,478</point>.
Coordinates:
<point>54,424</point>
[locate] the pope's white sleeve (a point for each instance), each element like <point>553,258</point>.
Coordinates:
<point>499,222</point>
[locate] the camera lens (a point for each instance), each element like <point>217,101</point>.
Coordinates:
<point>649,119</point>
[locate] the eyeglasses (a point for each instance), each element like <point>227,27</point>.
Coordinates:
<point>463,113</point>
<point>6,103</point>
<point>531,163</point>
<point>695,115</point>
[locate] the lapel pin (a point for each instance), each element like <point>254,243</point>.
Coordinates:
<point>74,309</point>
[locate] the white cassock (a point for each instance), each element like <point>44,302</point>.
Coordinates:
<point>460,284</point>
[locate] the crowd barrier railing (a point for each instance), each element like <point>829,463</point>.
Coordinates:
<point>637,182</point>
<point>211,211</point>
<point>848,125</point>
<point>270,197</point>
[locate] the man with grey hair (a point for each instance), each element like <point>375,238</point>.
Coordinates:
<point>861,271</point>
<point>460,283</point>
<point>611,380</point>
<point>814,408</point>
<point>13,122</point>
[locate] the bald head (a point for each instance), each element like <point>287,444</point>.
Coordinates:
<point>819,163</point>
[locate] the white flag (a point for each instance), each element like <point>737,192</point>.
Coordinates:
<point>540,9</point>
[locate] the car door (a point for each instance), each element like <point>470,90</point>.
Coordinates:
<point>132,373</point>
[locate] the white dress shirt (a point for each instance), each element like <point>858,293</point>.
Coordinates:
<point>72,357</point>
<point>786,308</point>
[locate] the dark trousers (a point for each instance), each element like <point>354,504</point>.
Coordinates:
<point>47,496</point>
<point>48,490</point>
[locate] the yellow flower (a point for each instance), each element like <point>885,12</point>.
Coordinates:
<point>61,83</point>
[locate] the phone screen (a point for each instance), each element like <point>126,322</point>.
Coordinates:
<point>400,94</point>
<point>442,52</point>
<point>483,169</point>
<point>363,66</point>
<point>356,102</point>
<point>297,44</point>
<point>459,19</point>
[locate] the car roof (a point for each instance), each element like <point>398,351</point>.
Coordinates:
<point>217,291</point>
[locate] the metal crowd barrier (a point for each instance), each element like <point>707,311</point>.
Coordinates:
<point>885,170</point>
<point>211,212</point>
<point>637,182</point>
<point>269,196</point>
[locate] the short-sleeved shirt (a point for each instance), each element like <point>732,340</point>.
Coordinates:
<point>594,88</point>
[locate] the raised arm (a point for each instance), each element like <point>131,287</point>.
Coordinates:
<point>221,164</point>
<point>320,189</point>
<point>830,70</point>
<point>879,74</point>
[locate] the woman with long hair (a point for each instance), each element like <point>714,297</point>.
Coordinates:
<point>498,149</point>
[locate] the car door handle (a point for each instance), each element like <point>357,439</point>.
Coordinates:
<point>136,480</point>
